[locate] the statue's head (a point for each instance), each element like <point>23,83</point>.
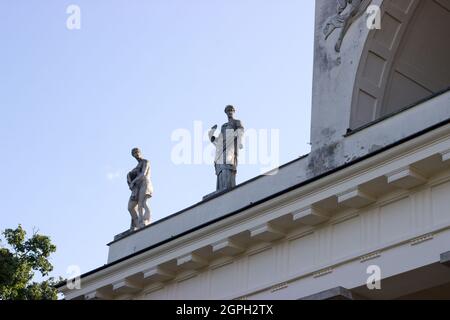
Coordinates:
<point>136,153</point>
<point>229,110</point>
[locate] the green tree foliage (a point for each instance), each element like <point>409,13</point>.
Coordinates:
<point>19,261</point>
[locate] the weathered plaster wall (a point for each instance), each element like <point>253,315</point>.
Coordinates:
<point>334,77</point>
<point>335,80</point>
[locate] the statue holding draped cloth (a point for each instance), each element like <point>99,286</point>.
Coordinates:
<point>227,144</point>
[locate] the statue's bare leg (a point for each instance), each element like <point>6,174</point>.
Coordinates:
<point>146,214</point>
<point>132,208</point>
<point>144,210</point>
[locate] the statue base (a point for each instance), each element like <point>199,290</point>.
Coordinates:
<point>123,234</point>
<point>214,195</point>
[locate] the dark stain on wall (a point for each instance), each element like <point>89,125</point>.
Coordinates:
<point>323,159</point>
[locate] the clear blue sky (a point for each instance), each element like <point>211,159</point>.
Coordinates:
<point>74,103</point>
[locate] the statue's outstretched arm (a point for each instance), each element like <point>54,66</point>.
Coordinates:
<point>211,136</point>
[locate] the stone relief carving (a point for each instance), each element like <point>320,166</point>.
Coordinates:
<point>347,11</point>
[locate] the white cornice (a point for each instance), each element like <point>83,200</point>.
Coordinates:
<point>387,163</point>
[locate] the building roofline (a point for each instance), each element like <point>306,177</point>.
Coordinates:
<point>299,185</point>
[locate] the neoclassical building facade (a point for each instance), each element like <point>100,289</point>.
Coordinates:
<point>369,204</point>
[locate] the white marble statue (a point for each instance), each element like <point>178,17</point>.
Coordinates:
<point>141,190</point>
<point>227,146</point>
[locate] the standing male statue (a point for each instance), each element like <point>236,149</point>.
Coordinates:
<point>141,190</point>
<point>227,146</point>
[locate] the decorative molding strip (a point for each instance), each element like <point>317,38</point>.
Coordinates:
<point>370,256</point>
<point>222,262</point>
<point>419,240</point>
<point>259,248</point>
<point>279,287</point>
<point>348,217</point>
<point>323,273</point>
<point>298,235</point>
<point>186,275</point>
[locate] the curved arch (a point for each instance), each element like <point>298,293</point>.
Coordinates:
<point>403,62</point>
